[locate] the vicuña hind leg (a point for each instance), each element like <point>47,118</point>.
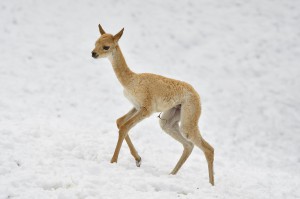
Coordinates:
<point>169,123</point>
<point>190,113</point>
<point>120,122</point>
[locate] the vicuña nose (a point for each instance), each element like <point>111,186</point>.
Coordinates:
<point>94,54</point>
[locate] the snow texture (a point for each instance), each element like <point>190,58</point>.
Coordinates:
<point>58,106</point>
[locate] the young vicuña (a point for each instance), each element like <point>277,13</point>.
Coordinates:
<point>149,93</point>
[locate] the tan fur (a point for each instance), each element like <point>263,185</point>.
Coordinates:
<point>150,93</point>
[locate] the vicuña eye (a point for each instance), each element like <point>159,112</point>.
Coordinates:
<point>105,47</point>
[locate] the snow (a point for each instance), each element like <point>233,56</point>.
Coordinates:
<point>58,106</point>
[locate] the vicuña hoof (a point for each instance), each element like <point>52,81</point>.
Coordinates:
<point>212,182</point>
<point>113,160</point>
<point>138,162</point>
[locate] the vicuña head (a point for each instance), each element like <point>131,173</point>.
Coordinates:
<point>106,44</point>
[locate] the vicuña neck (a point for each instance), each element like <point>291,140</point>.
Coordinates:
<point>124,74</point>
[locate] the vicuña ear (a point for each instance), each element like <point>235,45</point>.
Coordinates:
<point>101,30</point>
<point>118,35</point>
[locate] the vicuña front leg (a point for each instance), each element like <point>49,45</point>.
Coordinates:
<point>120,121</point>
<point>133,151</point>
<point>124,129</point>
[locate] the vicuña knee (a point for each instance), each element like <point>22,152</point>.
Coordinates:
<point>188,145</point>
<point>118,122</point>
<point>187,132</point>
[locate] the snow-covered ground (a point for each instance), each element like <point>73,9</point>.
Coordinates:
<point>58,106</point>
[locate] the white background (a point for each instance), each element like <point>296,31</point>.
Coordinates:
<point>58,106</point>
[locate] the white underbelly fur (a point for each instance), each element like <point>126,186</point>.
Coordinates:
<point>159,105</point>
<point>162,105</point>
<point>132,99</point>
